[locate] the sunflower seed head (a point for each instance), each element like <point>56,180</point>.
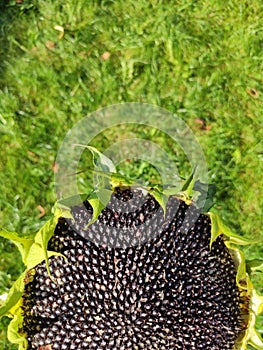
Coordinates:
<point>163,289</point>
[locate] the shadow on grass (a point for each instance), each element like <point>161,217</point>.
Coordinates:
<point>10,30</point>
<point>6,20</point>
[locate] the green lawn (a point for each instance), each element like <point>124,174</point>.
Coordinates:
<point>59,61</point>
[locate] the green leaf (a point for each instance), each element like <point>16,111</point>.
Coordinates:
<point>70,202</point>
<point>189,185</point>
<point>160,197</point>
<point>218,228</point>
<point>23,243</point>
<point>14,296</point>
<point>99,159</point>
<point>98,200</point>
<point>239,260</point>
<point>103,168</point>
<point>256,340</point>
<point>257,303</point>
<point>14,332</point>
<point>38,251</point>
<point>115,180</point>
<point>12,308</point>
<point>207,193</point>
<point>118,180</point>
<point>172,190</point>
<point>255,265</point>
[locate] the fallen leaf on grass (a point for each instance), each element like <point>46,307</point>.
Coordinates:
<point>201,124</point>
<point>61,30</point>
<point>253,92</point>
<point>105,55</point>
<point>55,167</point>
<point>32,155</point>
<point>42,211</point>
<point>50,45</point>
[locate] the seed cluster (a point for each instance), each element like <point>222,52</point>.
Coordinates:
<point>157,287</point>
<point>129,219</point>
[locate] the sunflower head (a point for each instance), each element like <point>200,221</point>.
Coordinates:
<point>134,267</point>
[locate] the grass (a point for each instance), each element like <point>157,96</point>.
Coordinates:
<point>200,60</point>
